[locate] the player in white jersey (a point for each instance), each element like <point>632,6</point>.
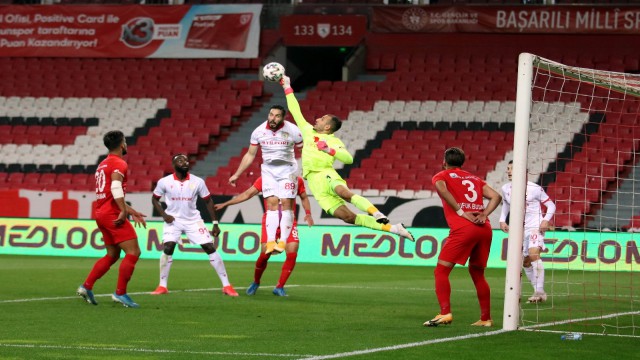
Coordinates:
<point>535,225</point>
<point>277,139</point>
<point>181,191</point>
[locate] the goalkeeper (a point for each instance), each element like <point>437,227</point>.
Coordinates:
<point>321,149</point>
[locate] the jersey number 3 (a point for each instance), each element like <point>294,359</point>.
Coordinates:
<point>472,194</point>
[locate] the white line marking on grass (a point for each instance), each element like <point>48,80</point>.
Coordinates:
<point>404,346</point>
<point>109,295</point>
<point>157,351</point>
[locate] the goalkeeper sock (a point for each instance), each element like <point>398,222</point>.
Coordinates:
<point>443,287</point>
<point>482,291</point>
<point>165,267</point>
<point>371,223</point>
<point>363,204</point>
<point>261,266</point>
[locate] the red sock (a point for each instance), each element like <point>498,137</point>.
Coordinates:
<point>127,266</point>
<point>287,268</point>
<point>483,291</point>
<point>443,287</point>
<point>99,269</point>
<point>261,266</point>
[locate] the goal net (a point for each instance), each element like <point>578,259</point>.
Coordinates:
<point>577,133</point>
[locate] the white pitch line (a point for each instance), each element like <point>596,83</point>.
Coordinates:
<point>404,346</point>
<point>108,295</point>
<point>157,351</point>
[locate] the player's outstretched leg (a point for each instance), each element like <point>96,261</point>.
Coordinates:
<point>365,205</point>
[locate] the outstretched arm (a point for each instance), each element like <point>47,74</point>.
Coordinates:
<point>246,195</point>
<point>294,106</point>
<point>247,159</point>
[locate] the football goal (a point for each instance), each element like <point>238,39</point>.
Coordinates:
<point>577,134</point>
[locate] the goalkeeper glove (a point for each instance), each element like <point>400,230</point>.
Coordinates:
<point>322,146</point>
<point>285,81</point>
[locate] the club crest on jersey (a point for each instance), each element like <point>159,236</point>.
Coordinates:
<point>454,175</point>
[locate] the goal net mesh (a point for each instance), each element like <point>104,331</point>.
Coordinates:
<point>584,134</point>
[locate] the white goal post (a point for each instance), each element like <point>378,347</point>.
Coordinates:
<point>577,135</point>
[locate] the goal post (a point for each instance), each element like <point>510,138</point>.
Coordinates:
<point>519,178</point>
<point>577,135</point>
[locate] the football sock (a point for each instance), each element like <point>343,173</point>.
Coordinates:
<point>529,272</point>
<point>482,291</point>
<point>371,223</point>
<point>287,268</point>
<point>261,266</point>
<point>363,204</point>
<point>538,275</point>
<point>127,266</point>
<point>286,224</point>
<point>218,265</point>
<point>272,222</point>
<point>165,267</point>
<point>99,269</point>
<point>443,287</point>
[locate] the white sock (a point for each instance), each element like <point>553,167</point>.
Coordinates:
<point>165,267</point>
<point>529,272</point>
<point>272,222</point>
<point>286,225</point>
<point>218,265</point>
<point>538,271</point>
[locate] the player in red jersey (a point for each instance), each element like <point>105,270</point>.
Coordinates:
<point>111,215</point>
<point>469,237</point>
<point>292,242</point>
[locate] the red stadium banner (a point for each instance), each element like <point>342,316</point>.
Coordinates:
<point>199,31</point>
<point>323,30</point>
<point>506,19</point>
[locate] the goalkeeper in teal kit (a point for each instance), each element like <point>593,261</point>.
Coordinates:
<point>321,149</point>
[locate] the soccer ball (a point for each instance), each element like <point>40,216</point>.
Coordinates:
<point>273,71</point>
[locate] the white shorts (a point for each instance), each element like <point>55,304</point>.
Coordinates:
<point>532,239</point>
<point>196,232</point>
<point>280,181</point>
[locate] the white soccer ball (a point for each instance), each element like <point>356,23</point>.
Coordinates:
<point>273,71</point>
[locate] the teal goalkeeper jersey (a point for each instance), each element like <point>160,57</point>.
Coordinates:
<point>312,158</point>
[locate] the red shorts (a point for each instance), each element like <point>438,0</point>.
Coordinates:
<point>471,242</point>
<point>293,237</point>
<point>112,234</point>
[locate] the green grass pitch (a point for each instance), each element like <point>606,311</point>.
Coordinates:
<point>332,311</point>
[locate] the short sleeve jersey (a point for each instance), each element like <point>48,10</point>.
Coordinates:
<point>278,145</point>
<point>466,189</point>
<point>301,189</point>
<point>104,198</point>
<point>181,196</point>
<point>536,196</point>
